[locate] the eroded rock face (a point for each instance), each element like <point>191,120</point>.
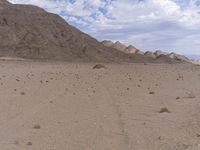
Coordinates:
<point>150,54</point>
<point>139,52</point>
<point>178,57</point>
<point>196,62</point>
<point>131,49</point>
<point>107,43</point>
<point>156,55</point>
<point>159,53</point>
<point>119,46</point>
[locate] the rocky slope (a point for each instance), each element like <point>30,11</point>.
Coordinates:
<point>196,62</point>
<point>158,54</point>
<point>30,32</point>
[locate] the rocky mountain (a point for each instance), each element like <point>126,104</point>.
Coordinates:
<point>30,32</point>
<point>196,62</point>
<point>121,47</point>
<point>156,55</point>
<point>131,49</point>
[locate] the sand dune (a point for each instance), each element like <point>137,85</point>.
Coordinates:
<point>59,106</point>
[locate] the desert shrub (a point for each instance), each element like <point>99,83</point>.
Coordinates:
<point>99,66</point>
<point>151,92</point>
<point>22,93</point>
<point>37,126</point>
<point>164,110</point>
<point>29,144</point>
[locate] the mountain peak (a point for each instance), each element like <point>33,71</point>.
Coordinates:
<point>30,32</point>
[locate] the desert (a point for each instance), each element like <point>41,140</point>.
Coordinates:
<point>56,105</point>
<point>61,89</point>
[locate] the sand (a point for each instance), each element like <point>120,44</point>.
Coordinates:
<point>70,106</point>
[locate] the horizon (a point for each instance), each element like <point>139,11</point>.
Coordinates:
<point>169,25</point>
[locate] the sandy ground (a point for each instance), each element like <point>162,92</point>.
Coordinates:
<point>70,106</point>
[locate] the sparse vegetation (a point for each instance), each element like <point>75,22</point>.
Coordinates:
<point>164,110</point>
<point>37,126</point>
<point>22,93</point>
<point>152,92</point>
<point>99,66</point>
<point>190,95</point>
<point>29,144</point>
<point>198,135</point>
<point>16,142</point>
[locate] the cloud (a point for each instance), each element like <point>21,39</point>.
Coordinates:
<point>148,24</point>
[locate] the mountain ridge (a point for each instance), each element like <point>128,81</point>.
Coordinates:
<point>30,32</point>
<point>151,54</point>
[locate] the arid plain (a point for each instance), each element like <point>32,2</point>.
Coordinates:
<point>60,105</point>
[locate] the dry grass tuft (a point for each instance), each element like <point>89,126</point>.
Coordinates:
<point>16,142</point>
<point>22,93</point>
<point>99,66</point>
<point>29,144</point>
<point>152,92</point>
<point>37,126</point>
<point>164,110</point>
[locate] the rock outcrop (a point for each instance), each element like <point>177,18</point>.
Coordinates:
<point>139,52</point>
<point>131,49</point>
<point>159,52</point>
<point>156,55</point>
<point>119,46</point>
<point>178,57</point>
<point>150,54</point>
<point>107,43</point>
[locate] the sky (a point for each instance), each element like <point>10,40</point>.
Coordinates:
<point>170,25</point>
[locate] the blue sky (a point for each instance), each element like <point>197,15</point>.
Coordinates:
<point>170,25</point>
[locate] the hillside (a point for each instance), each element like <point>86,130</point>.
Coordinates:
<point>30,32</point>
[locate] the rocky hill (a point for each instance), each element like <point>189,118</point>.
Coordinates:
<point>32,33</point>
<point>156,55</point>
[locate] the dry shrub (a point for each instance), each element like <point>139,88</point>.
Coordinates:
<point>164,110</point>
<point>99,66</point>
<point>37,126</point>
<point>151,92</point>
